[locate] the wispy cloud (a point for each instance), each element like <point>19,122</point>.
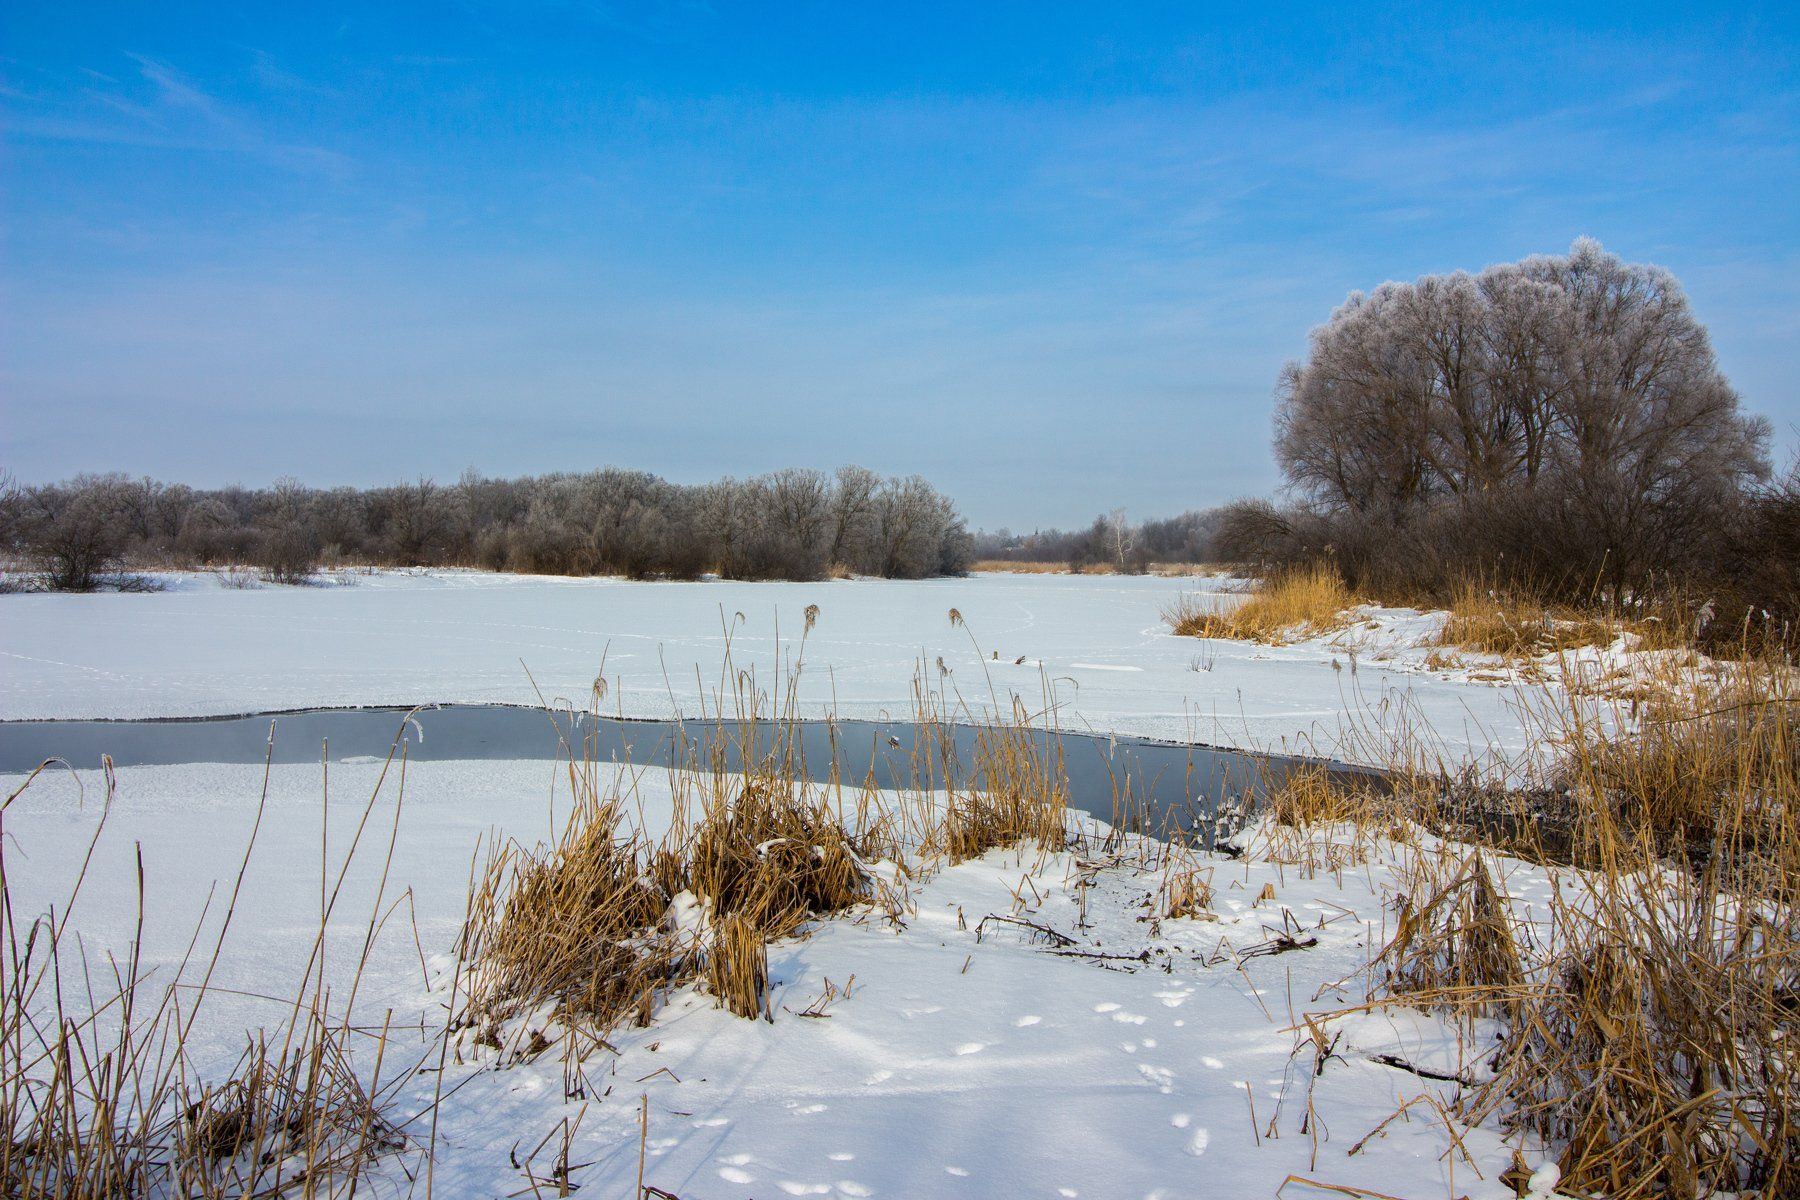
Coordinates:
<point>173,112</point>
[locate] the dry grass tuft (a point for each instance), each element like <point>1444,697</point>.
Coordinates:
<point>1515,625</point>
<point>1186,889</point>
<point>1295,603</point>
<point>1712,771</point>
<point>571,925</point>
<point>583,929</point>
<point>292,1116</point>
<point>1454,942</point>
<point>737,966</point>
<point>1003,566</point>
<point>587,933</point>
<point>1309,795</point>
<point>1014,794</point>
<point>772,853</point>
<point>1319,820</point>
<point>1491,621</point>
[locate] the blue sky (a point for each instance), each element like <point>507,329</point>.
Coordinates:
<point>1051,257</point>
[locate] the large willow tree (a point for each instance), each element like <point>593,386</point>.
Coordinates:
<point>1562,417</point>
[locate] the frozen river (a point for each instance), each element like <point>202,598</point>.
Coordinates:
<point>1096,643</point>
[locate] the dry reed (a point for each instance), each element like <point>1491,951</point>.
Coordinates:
<point>99,1096</point>
<point>1654,1008</point>
<point>589,931</point>
<point>1294,603</point>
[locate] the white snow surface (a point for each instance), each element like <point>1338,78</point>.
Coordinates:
<point>957,1064</point>
<point>397,637</point>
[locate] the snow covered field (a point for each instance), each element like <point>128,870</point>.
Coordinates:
<point>1146,1058</point>
<point>432,637</point>
<point>960,1061</point>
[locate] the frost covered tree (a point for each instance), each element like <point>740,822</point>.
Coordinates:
<point>1565,413</point>
<point>75,533</point>
<point>791,524</point>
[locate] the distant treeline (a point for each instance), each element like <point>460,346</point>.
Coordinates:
<point>1110,541</point>
<point>792,524</point>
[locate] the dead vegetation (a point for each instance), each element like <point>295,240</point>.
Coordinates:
<point>1003,566</point>
<point>1511,626</point>
<point>1164,570</point>
<point>100,1098</point>
<point>593,930</point>
<point>1186,889</point>
<point>588,931</point>
<point>1652,1000</point>
<point>1294,603</point>
<point>1515,624</point>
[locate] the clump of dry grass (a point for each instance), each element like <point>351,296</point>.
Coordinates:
<point>1514,624</point>
<point>292,1117</point>
<point>573,925</point>
<point>581,928</point>
<point>1438,660</point>
<point>1309,794</point>
<point>1712,769</point>
<point>1005,566</point>
<point>1297,602</point>
<point>772,852</point>
<point>1186,888</point>
<point>1454,942</point>
<point>1014,794</point>
<point>1318,819</point>
<point>1499,622</point>
<point>1658,1046</point>
<point>737,966</point>
<point>585,933</point>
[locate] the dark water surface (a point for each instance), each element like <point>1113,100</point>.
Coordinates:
<point>1154,786</point>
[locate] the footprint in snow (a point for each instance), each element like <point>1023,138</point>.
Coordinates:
<point>842,1156</point>
<point>881,1076</point>
<point>1125,1018</point>
<point>1197,1144</point>
<point>1180,1120</point>
<point>971,1048</point>
<point>1028,1019</point>
<point>956,1171</point>
<point>805,1189</point>
<point>809,1109</point>
<point>1108,1006</point>
<point>1162,1077</point>
<point>736,1175</point>
<point>1207,1060</point>
<point>852,1188</point>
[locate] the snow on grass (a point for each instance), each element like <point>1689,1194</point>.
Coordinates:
<point>1079,1044</point>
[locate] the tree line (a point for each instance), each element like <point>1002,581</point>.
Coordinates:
<point>1558,425</point>
<point>1111,541</point>
<point>792,524</point>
